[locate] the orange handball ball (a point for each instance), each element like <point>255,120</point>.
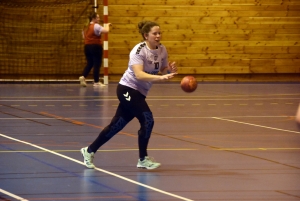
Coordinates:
<point>189,84</point>
<point>298,115</point>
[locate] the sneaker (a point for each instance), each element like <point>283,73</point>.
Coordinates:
<point>82,81</point>
<point>148,163</point>
<point>87,157</point>
<point>98,84</point>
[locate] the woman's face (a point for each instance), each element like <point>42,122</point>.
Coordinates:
<point>153,37</point>
<point>96,19</point>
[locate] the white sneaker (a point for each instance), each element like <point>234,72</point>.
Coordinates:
<point>148,163</point>
<point>82,81</point>
<point>87,157</point>
<point>99,84</point>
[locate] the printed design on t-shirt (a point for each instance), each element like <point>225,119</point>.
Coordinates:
<point>154,60</point>
<point>140,47</point>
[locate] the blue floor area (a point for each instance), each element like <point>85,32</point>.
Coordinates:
<point>225,141</point>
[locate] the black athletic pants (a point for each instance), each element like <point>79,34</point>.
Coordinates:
<point>132,104</point>
<point>93,54</point>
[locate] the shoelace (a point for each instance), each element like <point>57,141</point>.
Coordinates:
<point>151,159</point>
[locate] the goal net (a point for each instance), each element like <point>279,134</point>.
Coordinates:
<point>41,39</point>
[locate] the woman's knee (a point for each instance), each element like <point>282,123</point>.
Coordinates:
<point>146,125</point>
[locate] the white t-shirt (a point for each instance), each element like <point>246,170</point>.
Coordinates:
<point>97,29</point>
<point>152,61</point>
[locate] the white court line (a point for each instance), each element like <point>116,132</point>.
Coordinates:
<point>240,122</point>
<point>12,195</point>
<point>101,170</point>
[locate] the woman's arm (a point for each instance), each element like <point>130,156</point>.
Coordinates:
<point>141,75</point>
<point>105,28</point>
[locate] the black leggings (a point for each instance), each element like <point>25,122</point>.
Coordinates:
<point>132,104</point>
<point>93,54</point>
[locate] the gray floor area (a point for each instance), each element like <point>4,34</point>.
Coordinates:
<point>225,141</point>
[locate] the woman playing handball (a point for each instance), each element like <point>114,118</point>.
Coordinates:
<point>148,62</point>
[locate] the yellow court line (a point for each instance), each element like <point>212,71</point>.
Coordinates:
<point>103,97</point>
<point>254,149</point>
<point>121,150</point>
<point>107,150</point>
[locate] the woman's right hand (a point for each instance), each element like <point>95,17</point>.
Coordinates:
<point>168,76</point>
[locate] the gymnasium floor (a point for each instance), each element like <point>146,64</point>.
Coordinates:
<point>225,141</point>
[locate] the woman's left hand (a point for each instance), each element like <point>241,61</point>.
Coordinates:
<point>172,67</point>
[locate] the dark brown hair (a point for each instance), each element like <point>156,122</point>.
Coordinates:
<point>145,27</point>
<point>92,16</point>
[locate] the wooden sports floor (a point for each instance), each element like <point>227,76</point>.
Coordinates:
<point>224,142</point>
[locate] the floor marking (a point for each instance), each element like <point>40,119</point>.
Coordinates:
<point>100,170</point>
<point>102,150</point>
<point>254,149</point>
<point>195,98</point>
<point>22,118</point>
<point>122,150</point>
<point>82,105</point>
<point>62,118</point>
<point>285,193</point>
<point>12,195</point>
<point>240,122</point>
<point>179,104</point>
<point>167,97</point>
<point>188,117</point>
<point>80,123</point>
